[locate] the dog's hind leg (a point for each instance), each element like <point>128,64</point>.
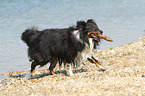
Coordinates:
<point>60,64</point>
<point>69,69</point>
<point>74,65</point>
<point>52,66</point>
<point>32,71</point>
<point>64,65</point>
<point>33,66</point>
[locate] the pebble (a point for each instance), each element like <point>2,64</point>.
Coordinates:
<point>143,75</point>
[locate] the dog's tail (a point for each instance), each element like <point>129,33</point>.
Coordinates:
<point>29,35</point>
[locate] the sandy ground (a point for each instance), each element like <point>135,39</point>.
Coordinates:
<point>124,76</point>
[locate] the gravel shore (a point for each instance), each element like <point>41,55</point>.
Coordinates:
<point>124,76</point>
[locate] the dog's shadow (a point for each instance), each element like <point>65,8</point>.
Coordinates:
<point>36,76</point>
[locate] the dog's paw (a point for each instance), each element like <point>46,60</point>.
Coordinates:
<point>70,73</point>
<point>102,68</point>
<point>29,76</point>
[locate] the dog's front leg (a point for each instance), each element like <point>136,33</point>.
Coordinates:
<point>69,69</point>
<point>97,63</point>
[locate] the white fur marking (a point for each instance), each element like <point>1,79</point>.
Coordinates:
<point>77,35</point>
<point>87,52</point>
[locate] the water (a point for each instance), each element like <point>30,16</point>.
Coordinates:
<point>122,20</point>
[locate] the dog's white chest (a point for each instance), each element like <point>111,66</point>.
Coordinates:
<point>87,52</point>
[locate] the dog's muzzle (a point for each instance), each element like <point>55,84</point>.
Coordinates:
<point>98,35</point>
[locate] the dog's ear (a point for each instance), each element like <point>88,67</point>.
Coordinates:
<point>91,26</point>
<point>90,21</point>
<point>81,24</point>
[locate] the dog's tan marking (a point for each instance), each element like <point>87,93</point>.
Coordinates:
<point>33,73</point>
<point>52,73</point>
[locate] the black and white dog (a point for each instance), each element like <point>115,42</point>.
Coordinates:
<point>72,44</point>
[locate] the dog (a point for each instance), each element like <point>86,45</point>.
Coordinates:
<point>68,45</point>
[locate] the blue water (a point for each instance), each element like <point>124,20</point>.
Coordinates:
<point>122,20</point>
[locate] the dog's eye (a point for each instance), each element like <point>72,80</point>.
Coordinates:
<point>101,32</point>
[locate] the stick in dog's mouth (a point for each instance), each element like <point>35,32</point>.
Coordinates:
<point>106,38</point>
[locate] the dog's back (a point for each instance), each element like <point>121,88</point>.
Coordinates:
<point>47,44</point>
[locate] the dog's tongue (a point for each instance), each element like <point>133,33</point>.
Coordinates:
<point>93,36</point>
<point>103,37</point>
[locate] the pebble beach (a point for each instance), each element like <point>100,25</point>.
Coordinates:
<point>125,75</point>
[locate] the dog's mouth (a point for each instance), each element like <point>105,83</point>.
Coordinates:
<point>97,35</point>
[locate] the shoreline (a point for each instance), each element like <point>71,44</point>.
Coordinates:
<point>125,67</point>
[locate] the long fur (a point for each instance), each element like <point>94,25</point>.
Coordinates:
<point>68,44</point>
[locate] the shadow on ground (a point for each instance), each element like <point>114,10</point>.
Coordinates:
<point>36,76</point>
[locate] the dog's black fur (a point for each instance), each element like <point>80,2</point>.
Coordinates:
<point>51,45</point>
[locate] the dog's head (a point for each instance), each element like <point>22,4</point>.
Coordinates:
<point>90,29</point>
